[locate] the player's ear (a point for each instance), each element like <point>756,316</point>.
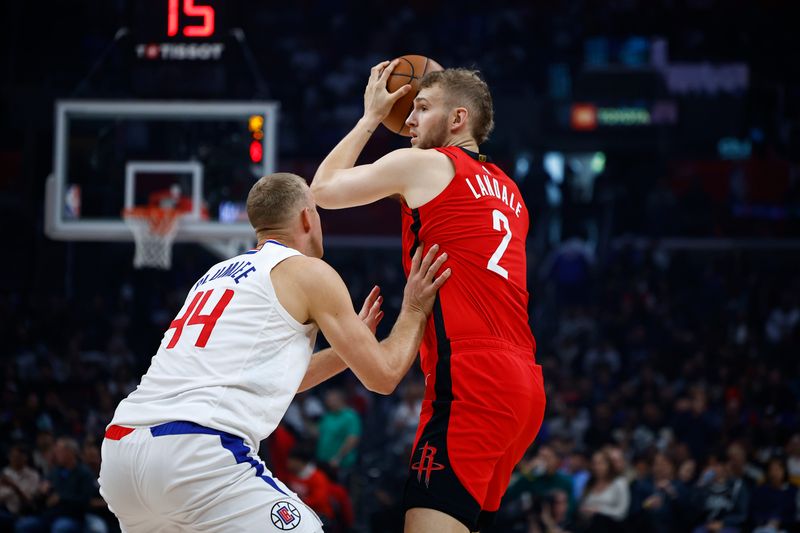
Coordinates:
<point>305,218</point>
<point>459,117</point>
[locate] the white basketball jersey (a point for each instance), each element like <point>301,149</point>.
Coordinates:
<point>232,359</point>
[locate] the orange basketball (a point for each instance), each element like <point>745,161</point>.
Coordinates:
<point>409,70</point>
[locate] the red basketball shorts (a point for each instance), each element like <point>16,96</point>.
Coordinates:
<point>484,404</point>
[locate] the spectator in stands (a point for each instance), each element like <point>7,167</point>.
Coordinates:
<point>540,476</point>
<point>278,446</point>
<point>660,501</point>
<point>405,418</point>
<point>619,464</point>
<point>604,386</point>
<point>339,433</point>
<point>721,500</point>
<point>554,514</point>
<point>740,468</point>
<point>570,420</point>
<point>99,519</point>
<point>310,483</point>
<point>602,353</point>
<point>694,424</point>
<point>601,430</point>
<point>782,321</point>
<point>66,492</point>
<point>650,432</point>
<point>388,514</point>
<point>43,453</point>
<point>537,478</point>
<point>576,466</point>
<point>19,484</point>
<point>304,413</point>
<point>342,507</point>
<point>606,499</point>
<point>793,459</point>
<point>774,503</point>
<point>570,267</point>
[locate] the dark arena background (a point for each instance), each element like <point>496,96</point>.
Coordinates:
<point>656,143</point>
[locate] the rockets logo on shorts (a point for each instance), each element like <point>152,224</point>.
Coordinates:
<point>425,464</point>
<point>285,516</point>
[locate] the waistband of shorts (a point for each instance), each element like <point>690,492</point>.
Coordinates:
<point>179,427</point>
<point>491,344</point>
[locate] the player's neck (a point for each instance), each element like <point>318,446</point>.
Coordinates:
<point>280,238</point>
<point>466,142</point>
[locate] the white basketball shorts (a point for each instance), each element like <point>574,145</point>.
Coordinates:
<point>181,476</point>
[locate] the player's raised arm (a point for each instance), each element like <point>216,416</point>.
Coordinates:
<point>378,101</point>
<point>379,366</point>
<point>337,183</point>
<point>397,172</point>
<point>417,174</point>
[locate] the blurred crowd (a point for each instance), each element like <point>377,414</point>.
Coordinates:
<point>672,379</point>
<point>673,392</point>
<point>672,376</point>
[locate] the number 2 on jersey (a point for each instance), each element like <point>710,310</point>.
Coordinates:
<point>499,218</point>
<point>193,317</point>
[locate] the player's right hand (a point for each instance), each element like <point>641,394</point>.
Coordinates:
<point>371,313</point>
<point>422,284</point>
<point>378,101</point>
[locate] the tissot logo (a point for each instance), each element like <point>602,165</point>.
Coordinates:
<point>180,51</point>
<point>426,464</point>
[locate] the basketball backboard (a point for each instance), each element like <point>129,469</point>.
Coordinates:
<point>112,155</point>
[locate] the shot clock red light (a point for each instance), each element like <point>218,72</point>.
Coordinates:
<point>256,151</point>
<point>256,127</point>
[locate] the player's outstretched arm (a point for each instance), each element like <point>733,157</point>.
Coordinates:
<point>326,363</point>
<point>379,366</point>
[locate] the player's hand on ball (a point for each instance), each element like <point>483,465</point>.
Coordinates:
<point>422,284</point>
<point>371,313</point>
<point>378,101</point>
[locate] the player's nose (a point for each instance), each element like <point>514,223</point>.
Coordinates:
<point>412,119</point>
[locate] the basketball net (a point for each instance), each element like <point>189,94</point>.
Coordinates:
<point>154,230</point>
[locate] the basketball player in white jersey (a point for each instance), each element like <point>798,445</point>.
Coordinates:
<point>181,451</point>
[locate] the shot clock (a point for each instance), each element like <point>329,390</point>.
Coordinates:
<point>190,9</point>
<point>180,30</point>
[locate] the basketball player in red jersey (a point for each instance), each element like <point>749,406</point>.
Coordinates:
<point>484,396</point>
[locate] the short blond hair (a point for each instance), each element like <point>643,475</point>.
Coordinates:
<point>273,198</point>
<point>465,87</point>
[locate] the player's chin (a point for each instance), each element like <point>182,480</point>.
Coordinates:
<point>418,142</point>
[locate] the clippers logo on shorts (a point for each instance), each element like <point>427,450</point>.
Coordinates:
<point>426,464</point>
<point>285,516</point>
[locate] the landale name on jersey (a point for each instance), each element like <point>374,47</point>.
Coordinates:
<point>490,187</point>
<point>237,271</point>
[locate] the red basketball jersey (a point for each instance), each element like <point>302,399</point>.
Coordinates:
<point>481,221</point>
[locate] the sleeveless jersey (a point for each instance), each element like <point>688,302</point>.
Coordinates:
<point>232,359</point>
<point>481,221</point>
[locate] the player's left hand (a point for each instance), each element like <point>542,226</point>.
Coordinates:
<point>378,101</point>
<point>371,313</point>
<point>423,284</point>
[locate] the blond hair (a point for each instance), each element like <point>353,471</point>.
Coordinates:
<point>464,87</point>
<point>272,199</point>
